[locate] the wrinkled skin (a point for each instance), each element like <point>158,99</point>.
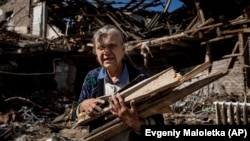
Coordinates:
<point>128,115</point>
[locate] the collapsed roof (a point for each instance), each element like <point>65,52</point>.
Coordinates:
<point>184,32</point>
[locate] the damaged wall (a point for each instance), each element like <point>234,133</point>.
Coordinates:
<point>18,14</point>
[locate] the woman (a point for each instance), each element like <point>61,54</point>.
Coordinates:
<point>115,73</point>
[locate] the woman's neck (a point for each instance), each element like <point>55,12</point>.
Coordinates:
<point>115,73</point>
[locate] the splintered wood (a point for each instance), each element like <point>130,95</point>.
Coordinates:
<point>164,80</point>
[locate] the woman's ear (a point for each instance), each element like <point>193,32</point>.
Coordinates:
<point>124,48</point>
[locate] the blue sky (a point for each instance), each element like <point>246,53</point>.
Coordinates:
<point>174,5</point>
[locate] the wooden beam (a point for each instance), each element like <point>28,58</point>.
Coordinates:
<point>218,39</point>
<point>199,11</point>
<point>117,24</point>
<point>192,23</point>
<point>241,49</point>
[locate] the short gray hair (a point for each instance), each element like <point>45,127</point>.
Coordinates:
<point>105,30</point>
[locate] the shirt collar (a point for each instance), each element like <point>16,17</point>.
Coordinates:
<point>124,79</point>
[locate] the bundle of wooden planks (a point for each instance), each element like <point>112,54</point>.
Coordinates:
<point>153,96</point>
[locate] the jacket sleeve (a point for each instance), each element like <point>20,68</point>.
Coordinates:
<point>88,87</point>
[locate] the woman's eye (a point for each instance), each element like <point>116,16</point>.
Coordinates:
<point>100,48</point>
<point>112,46</point>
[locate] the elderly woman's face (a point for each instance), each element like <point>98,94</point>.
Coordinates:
<point>110,51</point>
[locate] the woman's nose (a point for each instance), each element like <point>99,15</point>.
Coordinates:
<point>107,49</point>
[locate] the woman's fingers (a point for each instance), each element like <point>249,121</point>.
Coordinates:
<point>113,104</point>
<point>99,101</point>
<point>118,106</point>
<point>92,106</point>
<point>121,100</point>
<point>117,101</point>
<point>94,110</point>
<point>132,105</point>
<point>97,108</point>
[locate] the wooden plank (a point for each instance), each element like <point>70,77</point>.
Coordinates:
<point>176,95</point>
<point>144,83</point>
<point>116,23</point>
<point>192,23</point>
<point>200,11</point>
<point>140,95</point>
<point>166,80</point>
<point>218,39</point>
<point>115,126</point>
<point>241,49</point>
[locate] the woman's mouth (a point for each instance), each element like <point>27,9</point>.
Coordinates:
<point>107,59</point>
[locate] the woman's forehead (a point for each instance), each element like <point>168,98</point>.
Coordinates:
<point>109,39</point>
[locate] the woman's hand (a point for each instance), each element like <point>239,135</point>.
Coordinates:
<point>90,106</point>
<point>128,115</point>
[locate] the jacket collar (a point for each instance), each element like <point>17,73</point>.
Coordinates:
<point>124,79</point>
